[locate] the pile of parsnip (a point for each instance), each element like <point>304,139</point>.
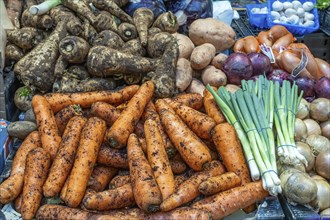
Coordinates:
<point>127,154</point>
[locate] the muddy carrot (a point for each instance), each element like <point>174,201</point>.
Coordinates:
<point>62,117</point>
<point>211,107</point>
<point>120,214</point>
<point>13,185</point>
<point>48,130</point>
<point>106,111</point>
<point>158,159</point>
<point>181,213</point>
<point>91,138</point>
<point>219,183</point>
<point>193,100</point>
<point>64,159</point>
<point>197,121</point>
<point>58,101</point>
<point>112,157</point>
<point>18,203</point>
<point>118,134</point>
<point>54,212</point>
<point>119,197</point>
<point>178,167</point>
<point>139,129</point>
<point>229,201</point>
<point>188,190</point>
<point>146,191</point>
<point>101,177</point>
<point>37,165</point>
<point>151,112</point>
<point>193,151</point>
<point>119,180</point>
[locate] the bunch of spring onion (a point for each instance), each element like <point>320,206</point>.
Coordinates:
<point>252,110</point>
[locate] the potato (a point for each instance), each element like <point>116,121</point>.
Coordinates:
<point>183,74</point>
<point>232,88</point>
<point>210,30</point>
<point>196,86</point>
<point>29,116</point>
<point>186,46</point>
<point>202,56</point>
<point>213,76</point>
<point>21,129</point>
<point>218,60</point>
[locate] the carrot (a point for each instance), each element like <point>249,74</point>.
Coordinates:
<point>158,159</point>
<point>91,138</point>
<point>229,201</point>
<point>193,151</point>
<point>106,111</point>
<point>118,134</point>
<point>47,127</point>
<point>178,166</point>
<point>119,180</point>
<point>143,19</point>
<point>112,157</point>
<point>64,159</point>
<point>101,177</point>
<point>181,213</point>
<point>62,117</point>
<point>193,100</point>
<point>120,214</point>
<point>211,107</point>
<point>139,129</point>
<point>18,203</point>
<point>13,185</point>
<point>219,183</point>
<point>37,165</point>
<point>58,101</point>
<point>119,197</point>
<point>53,212</point>
<point>188,190</point>
<point>145,189</point>
<point>231,152</point>
<point>197,121</point>
<point>151,112</point>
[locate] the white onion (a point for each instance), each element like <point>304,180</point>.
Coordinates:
<point>300,130</point>
<point>317,177</point>
<point>322,200</point>
<point>312,127</point>
<point>325,212</point>
<point>325,129</point>
<point>318,144</point>
<point>320,109</point>
<point>322,164</point>
<point>306,151</point>
<point>303,109</point>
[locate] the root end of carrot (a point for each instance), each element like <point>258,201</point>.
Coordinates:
<point>153,208</point>
<point>113,143</point>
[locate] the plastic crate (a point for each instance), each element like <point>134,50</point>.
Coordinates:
<point>324,16</point>
<point>257,20</point>
<point>297,30</point>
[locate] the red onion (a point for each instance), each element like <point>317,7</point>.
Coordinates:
<point>322,87</point>
<point>237,67</point>
<point>279,75</point>
<point>260,63</point>
<point>306,85</point>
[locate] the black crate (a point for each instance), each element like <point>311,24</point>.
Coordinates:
<point>324,16</point>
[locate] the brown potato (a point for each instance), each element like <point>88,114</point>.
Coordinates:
<point>218,60</point>
<point>196,86</point>
<point>186,46</point>
<point>213,76</point>
<point>183,74</point>
<point>202,56</point>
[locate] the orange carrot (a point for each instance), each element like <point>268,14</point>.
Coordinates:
<point>139,129</point>
<point>219,183</point>
<point>146,191</point>
<point>177,166</point>
<point>58,101</point>
<point>91,138</point>
<point>18,203</point>
<point>54,212</point>
<point>64,159</point>
<point>119,197</point>
<point>49,134</point>
<point>211,107</point>
<point>200,123</point>
<point>143,144</point>
<point>112,157</point>
<point>120,214</point>
<point>101,177</point>
<point>150,112</point>
<point>230,201</point>
<point>158,159</point>
<point>118,134</point>
<point>193,151</point>
<point>188,190</point>
<point>13,185</point>
<point>181,213</point>
<point>106,111</point>
<point>119,180</point>
<point>62,117</point>
<point>193,100</point>
<point>37,165</point>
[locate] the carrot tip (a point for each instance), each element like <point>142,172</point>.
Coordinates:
<point>170,152</point>
<point>153,208</point>
<point>112,142</point>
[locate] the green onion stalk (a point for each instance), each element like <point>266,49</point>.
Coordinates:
<point>44,7</point>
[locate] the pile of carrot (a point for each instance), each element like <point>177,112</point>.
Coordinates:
<point>125,154</point>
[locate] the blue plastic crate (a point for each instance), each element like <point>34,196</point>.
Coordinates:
<point>295,29</point>
<point>257,20</point>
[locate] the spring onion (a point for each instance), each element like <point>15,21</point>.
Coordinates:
<point>43,7</point>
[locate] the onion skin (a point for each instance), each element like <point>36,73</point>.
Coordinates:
<point>303,109</point>
<point>263,38</point>
<point>237,67</point>
<point>325,129</point>
<point>325,212</point>
<point>306,85</point>
<point>283,41</point>
<point>322,200</point>
<point>260,63</point>
<point>279,75</point>
<point>239,46</point>
<point>305,150</point>
<point>318,144</point>
<point>251,44</point>
<point>276,32</point>
<point>312,127</point>
<point>290,61</point>
<point>322,87</point>
<point>324,67</point>
<point>320,109</point>
<point>300,130</point>
<point>322,164</point>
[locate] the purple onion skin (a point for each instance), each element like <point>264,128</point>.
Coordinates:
<point>306,85</point>
<point>237,67</point>
<point>322,87</point>
<point>260,63</point>
<point>278,75</point>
